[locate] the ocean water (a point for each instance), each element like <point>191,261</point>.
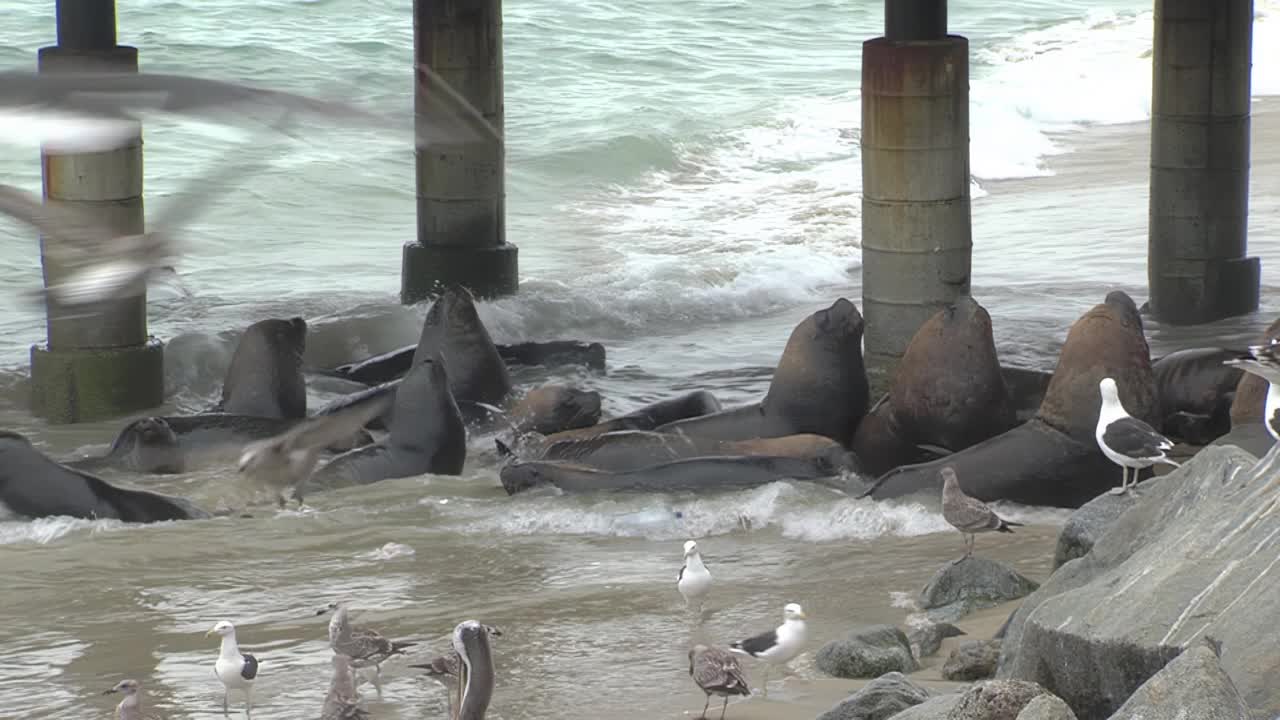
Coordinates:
<point>683,183</point>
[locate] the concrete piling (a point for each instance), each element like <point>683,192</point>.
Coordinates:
<point>100,363</point>
<point>461,187</point>
<point>1197,269</point>
<point>916,234</point>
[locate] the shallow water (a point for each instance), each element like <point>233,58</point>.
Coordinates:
<point>683,185</point>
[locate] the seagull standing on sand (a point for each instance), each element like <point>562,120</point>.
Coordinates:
<point>235,669</point>
<point>130,708</point>
<point>777,646</point>
<point>968,514</point>
<point>694,580</point>
<point>341,702</point>
<point>717,672</point>
<point>1261,360</point>
<point>1125,440</point>
<point>365,646</point>
<point>285,462</point>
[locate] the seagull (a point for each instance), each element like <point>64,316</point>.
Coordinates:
<point>1262,360</point>
<point>365,646</point>
<point>234,668</point>
<point>1125,440</point>
<point>341,701</point>
<point>694,580</point>
<point>130,708</point>
<point>777,646</point>
<point>968,514</point>
<point>717,672</point>
<point>442,668</point>
<point>285,462</point>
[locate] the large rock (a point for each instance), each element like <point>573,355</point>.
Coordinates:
<point>1046,707</point>
<point>972,583</point>
<point>867,653</point>
<point>995,700</point>
<point>882,698</point>
<point>973,660</point>
<point>1087,524</point>
<point>1195,555</point>
<point>927,639</point>
<point>935,708</point>
<point>1192,686</point>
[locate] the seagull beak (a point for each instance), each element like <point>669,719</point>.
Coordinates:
<point>802,616</point>
<point>112,691</point>
<point>208,632</point>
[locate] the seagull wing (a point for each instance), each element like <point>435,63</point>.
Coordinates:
<point>444,115</point>
<point>80,233</point>
<point>324,430</point>
<point>1134,438</point>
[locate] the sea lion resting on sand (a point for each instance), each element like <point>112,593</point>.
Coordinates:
<point>632,449</point>
<point>265,378</point>
<point>947,392</point>
<point>33,486</point>
<point>1054,459</point>
<point>427,435</point>
<point>697,474</point>
<point>819,386</point>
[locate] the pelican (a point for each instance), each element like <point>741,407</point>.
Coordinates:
<point>475,676</point>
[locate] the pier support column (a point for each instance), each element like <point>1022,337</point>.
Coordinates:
<point>1199,209</point>
<point>461,186</point>
<point>97,364</point>
<point>916,236</point>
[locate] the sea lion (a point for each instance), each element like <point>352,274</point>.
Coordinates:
<point>947,391</point>
<point>554,408</point>
<point>819,385</point>
<point>1053,459</point>
<point>632,449</point>
<point>1251,391</point>
<point>427,435</point>
<point>690,475</point>
<point>34,486</point>
<point>181,443</point>
<point>393,365</point>
<point>1196,392</point>
<point>265,378</point>
<point>454,330</point>
<point>694,404</point>
<point>1026,387</point>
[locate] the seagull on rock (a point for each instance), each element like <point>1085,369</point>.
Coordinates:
<point>1125,440</point>
<point>968,514</point>
<point>777,646</point>
<point>1263,361</point>
<point>717,672</point>
<point>235,669</point>
<point>130,708</point>
<point>694,580</point>
<point>365,646</point>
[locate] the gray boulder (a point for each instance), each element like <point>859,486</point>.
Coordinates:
<point>960,587</point>
<point>880,699</point>
<point>1087,524</point>
<point>973,660</point>
<point>927,639</point>
<point>1195,555</point>
<point>1192,686</point>
<point>1046,707</point>
<point>995,700</point>
<point>935,708</point>
<point>867,653</point>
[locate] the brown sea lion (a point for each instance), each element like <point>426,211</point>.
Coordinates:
<point>1053,459</point>
<point>265,378</point>
<point>393,365</point>
<point>694,404</point>
<point>947,392</point>
<point>1251,391</point>
<point>1196,393</point>
<point>630,449</point>
<point>453,329</point>
<point>819,386</point>
<point>554,408</point>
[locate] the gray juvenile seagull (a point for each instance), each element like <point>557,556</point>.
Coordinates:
<point>967,514</point>
<point>717,672</point>
<point>285,462</point>
<point>1125,440</point>
<point>130,708</point>
<point>365,646</point>
<point>341,703</point>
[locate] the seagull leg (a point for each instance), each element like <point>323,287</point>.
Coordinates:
<point>377,679</point>
<point>764,686</point>
<point>248,701</point>
<point>724,707</point>
<point>225,693</point>
<point>1124,480</point>
<point>705,705</point>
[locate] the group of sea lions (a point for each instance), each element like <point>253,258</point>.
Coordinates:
<point>1011,433</point>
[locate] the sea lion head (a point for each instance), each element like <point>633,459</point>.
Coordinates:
<point>457,308</point>
<point>1126,307</point>
<point>520,476</point>
<point>842,320</point>
<point>553,408</point>
<point>154,432</point>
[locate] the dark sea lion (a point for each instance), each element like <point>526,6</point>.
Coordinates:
<point>1196,393</point>
<point>1251,391</point>
<point>819,386</point>
<point>149,445</point>
<point>553,408</point>
<point>1053,459</point>
<point>393,365</point>
<point>427,435</point>
<point>632,449</point>
<point>700,474</point>
<point>947,391</point>
<point>453,328</point>
<point>265,378</point>
<point>1026,387</point>
<point>689,405</point>
<point>33,486</point>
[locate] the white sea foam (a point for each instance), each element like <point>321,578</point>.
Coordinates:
<point>43,531</point>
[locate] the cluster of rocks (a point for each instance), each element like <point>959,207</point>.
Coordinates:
<point>1159,607</point>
